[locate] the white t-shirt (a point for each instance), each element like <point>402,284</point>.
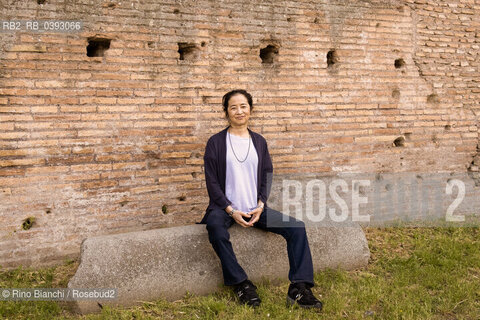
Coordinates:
<point>241,177</point>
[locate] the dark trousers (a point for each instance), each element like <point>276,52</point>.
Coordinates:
<point>299,256</point>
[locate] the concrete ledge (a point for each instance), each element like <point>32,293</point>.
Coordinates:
<point>166,263</point>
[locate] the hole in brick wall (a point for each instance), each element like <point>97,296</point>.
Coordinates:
<point>399,142</point>
<point>332,58</point>
<point>395,93</point>
<point>377,25</point>
<point>433,98</point>
<point>186,50</point>
<point>176,11</point>
<point>203,43</point>
<point>164,209</point>
<point>448,127</point>
<point>268,53</point>
<point>150,44</point>
<point>316,20</point>
<point>408,135</point>
<point>48,211</point>
<point>289,19</point>
<point>97,46</point>
<point>28,223</point>
<point>183,197</point>
<point>41,1</point>
<point>399,63</point>
<point>112,5</point>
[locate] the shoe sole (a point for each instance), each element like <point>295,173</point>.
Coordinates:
<point>291,302</point>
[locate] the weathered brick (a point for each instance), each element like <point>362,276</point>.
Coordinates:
<point>21,162</point>
<point>45,109</point>
<point>28,48</point>
<point>113,157</point>
<point>99,184</point>
<point>6,126</point>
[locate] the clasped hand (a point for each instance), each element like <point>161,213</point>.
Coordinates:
<point>254,215</point>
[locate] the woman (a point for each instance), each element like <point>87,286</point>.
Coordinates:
<point>237,165</point>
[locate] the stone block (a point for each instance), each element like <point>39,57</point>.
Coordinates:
<point>169,262</point>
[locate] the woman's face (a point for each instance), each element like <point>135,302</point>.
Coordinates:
<point>238,110</point>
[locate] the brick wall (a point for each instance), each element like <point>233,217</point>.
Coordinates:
<point>94,145</point>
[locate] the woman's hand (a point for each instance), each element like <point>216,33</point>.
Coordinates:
<point>238,217</point>
<point>256,215</point>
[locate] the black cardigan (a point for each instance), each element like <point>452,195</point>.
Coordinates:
<point>215,163</point>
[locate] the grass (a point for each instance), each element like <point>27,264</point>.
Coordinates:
<point>413,273</point>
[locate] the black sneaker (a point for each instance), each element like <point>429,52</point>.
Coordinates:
<point>300,294</point>
<point>247,294</point>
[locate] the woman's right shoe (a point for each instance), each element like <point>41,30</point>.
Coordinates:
<point>247,293</point>
<point>301,295</point>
